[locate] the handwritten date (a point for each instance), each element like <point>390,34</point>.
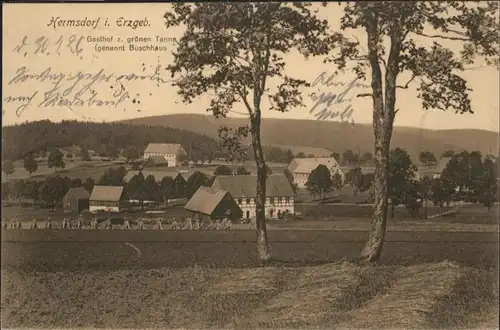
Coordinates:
<point>45,46</point>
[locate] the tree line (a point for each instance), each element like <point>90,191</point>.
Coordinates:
<point>349,157</point>
<point>50,192</point>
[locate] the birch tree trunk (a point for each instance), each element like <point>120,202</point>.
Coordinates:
<point>260,201</point>
<point>383,119</point>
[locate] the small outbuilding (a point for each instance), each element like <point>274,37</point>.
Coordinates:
<point>76,200</point>
<point>213,204</point>
<point>106,198</point>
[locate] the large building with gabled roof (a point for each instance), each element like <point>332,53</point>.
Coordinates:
<point>170,151</point>
<point>243,188</point>
<point>301,168</point>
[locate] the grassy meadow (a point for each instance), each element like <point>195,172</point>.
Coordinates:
<point>335,295</point>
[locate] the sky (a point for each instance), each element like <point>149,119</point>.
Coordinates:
<point>56,72</point>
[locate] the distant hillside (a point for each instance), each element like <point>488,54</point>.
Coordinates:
<point>335,136</point>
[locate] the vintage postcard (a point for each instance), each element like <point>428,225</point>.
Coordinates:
<point>250,165</point>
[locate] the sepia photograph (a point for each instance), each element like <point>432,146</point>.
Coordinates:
<point>250,165</point>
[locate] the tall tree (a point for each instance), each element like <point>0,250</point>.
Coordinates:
<point>424,187</point>
<point>167,188</point>
<point>113,177</point>
<point>88,184</point>
<point>55,160</point>
<point>336,181</point>
<point>131,153</point>
<point>151,188</point>
<point>52,191</point>
<point>31,191</point>
<point>320,181</point>
<point>400,177</point>
<point>441,192</point>
<point>236,50</point>
<point>349,157</point>
<point>354,177</point>
<point>8,167</point>
<point>30,163</point>
<point>76,183</point>
<point>136,189</point>
<point>195,181</point>
<point>393,31</point>
<point>427,157</point>
<point>488,187</point>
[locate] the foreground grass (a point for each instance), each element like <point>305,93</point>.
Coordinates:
<point>337,295</point>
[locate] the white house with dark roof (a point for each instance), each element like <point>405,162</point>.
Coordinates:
<point>301,168</point>
<point>243,188</point>
<point>169,151</point>
<point>106,198</point>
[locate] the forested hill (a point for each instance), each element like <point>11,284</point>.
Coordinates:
<point>335,136</point>
<point>104,138</point>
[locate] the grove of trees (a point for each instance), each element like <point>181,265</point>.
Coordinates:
<point>235,50</point>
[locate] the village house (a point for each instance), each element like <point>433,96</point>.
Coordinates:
<point>301,168</point>
<point>243,188</point>
<point>441,165</point>
<point>76,200</point>
<point>170,151</point>
<point>107,198</point>
<point>212,204</point>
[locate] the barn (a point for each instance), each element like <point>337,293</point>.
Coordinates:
<point>213,204</point>
<point>106,198</point>
<point>76,200</point>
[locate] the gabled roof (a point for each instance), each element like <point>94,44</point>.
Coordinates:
<point>164,148</point>
<point>441,165</point>
<point>106,193</point>
<point>240,186</point>
<point>307,165</point>
<point>159,175</point>
<point>205,200</point>
<point>79,193</point>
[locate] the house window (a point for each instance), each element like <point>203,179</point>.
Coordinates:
<point>280,199</point>
<point>240,201</point>
<point>271,199</point>
<point>248,200</point>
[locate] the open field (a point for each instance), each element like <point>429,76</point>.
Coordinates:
<point>107,249</point>
<point>335,295</point>
<point>209,279</point>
